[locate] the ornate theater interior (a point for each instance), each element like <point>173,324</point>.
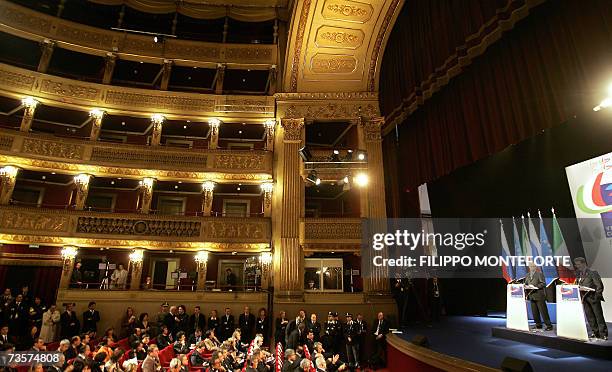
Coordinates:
<point>227,153</point>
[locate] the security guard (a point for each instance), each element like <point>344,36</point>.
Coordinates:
<point>332,333</point>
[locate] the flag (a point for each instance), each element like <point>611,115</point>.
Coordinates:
<point>550,271</point>
<point>534,241</point>
<point>307,356</point>
<point>507,270</point>
<point>527,251</point>
<point>519,270</point>
<point>559,248</point>
<point>279,358</point>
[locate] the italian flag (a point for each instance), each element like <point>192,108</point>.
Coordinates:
<point>559,248</point>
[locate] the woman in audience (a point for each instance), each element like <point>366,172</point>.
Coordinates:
<point>213,321</point>
<point>281,328</point>
<point>113,363</point>
<point>109,337</point>
<point>210,342</point>
<point>128,323</point>
<point>143,323</point>
<point>180,345</point>
<point>262,325</point>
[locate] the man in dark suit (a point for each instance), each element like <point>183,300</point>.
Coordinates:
<point>91,317</point>
<point>196,320</point>
<point>5,339</point>
<point>227,325</point>
<point>351,341</point>
<point>292,362</point>
<point>297,337</point>
<point>69,323</point>
<point>246,322</point>
<point>18,316</point>
<point>591,300</point>
<point>230,279</point>
<point>381,328</point>
<point>537,297</point>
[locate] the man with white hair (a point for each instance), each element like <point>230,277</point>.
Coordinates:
<point>320,364</point>
<point>537,297</point>
<point>292,362</point>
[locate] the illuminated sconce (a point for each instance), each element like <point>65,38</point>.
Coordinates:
<point>361,179</point>
<point>267,187</point>
<point>97,113</point>
<point>214,123</point>
<point>147,182</point>
<point>29,102</point>
<point>208,186</point>
<point>201,257</point>
<point>82,179</point>
<point>265,260</point>
<point>157,119</point>
<point>270,124</point>
<point>9,171</point>
<point>136,256</point>
<point>68,253</point>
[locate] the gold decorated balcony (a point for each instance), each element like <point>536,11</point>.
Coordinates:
<point>62,92</point>
<point>46,152</point>
<point>22,225</point>
<point>331,234</point>
<point>30,24</point>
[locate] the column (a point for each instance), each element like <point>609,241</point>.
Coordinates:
<point>146,194</point>
<point>270,125</point>
<point>267,188</point>
<point>96,123</point>
<point>219,80</point>
<point>289,256</point>
<point>213,140</point>
<point>158,123</point>
<point>265,261</point>
<point>29,104</point>
<point>272,80</point>
<point>166,71</point>
<point>81,182</point>
<point>201,259</point>
<point>109,67</point>
<point>136,258</point>
<point>8,177</point>
<point>373,195</point>
<point>207,197</point>
<point>46,47</point>
<point>68,257</point>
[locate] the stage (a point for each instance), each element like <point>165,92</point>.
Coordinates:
<point>595,347</point>
<point>471,339</point>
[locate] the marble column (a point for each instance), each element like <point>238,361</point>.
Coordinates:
<point>96,124</point>
<point>158,123</point>
<point>146,194</point>
<point>373,195</point>
<point>289,256</point>
<point>81,181</point>
<point>8,177</point>
<point>29,105</point>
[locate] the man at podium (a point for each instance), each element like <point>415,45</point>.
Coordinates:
<point>537,296</point>
<point>591,300</point>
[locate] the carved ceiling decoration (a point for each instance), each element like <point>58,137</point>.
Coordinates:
<point>321,106</point>
<point>337,45</point>
<point>48,89</point>
<point>129,230</point>
<point>33,25</point>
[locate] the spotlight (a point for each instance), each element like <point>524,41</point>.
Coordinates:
<point>313,178</point>
<point>158,39</point>
<point>361,156</point>
<point>305,154</point>
<point>361,179</point>
<point>335,156</point>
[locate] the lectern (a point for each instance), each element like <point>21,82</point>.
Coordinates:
<point>516,308</point>
<point>570,313</point>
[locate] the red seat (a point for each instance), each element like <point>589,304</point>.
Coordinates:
<point>52,346</point>
<point>124,357</point>
<point>166,355</point>
<point>123,343</point>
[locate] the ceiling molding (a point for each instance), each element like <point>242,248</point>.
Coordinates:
<point>338,44</point>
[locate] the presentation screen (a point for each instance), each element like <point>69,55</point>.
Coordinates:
<point>590,183</point>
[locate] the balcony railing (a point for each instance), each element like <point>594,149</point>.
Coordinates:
<point>61,226</point>
<point>24,22</point>
<point>251,164</point>
<point>325,234</point>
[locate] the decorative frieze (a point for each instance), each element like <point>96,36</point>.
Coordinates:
<point>32,221</point>
<point>336,229</point>
<point>52,149</point>
<point>139,227</point>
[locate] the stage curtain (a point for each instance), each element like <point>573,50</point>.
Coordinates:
<point>250,11</point>
<point>553,65</point>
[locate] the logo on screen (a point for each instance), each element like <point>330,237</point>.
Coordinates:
<point>516,291</point>
<point>570,294</point>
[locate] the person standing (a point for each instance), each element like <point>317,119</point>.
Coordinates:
<point>76,279</point>
<point>362,330</point>
<point>160,317</point>
<point>196,320</point>
<point>262,325</point>
<point>91,317</point>
<point>213,322</point>
<point>381,329</point>
<point>50,321</point>
<point>37,309</point>
<point>227,324</point>
<point>70,323</point>
<point>280,329</point>
<point>119,277</point>
<point>434,298</point>
<point>18,317</point>
<point>591,300</point>
<point>351,340</point>
<point>151,362</point>
<point>313,325</point>
<point>246,322</point>
<point>537,297</point>
<point>230,279</point>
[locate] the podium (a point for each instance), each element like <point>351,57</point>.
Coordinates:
<point>516,307</point>
<point>570,313</point>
